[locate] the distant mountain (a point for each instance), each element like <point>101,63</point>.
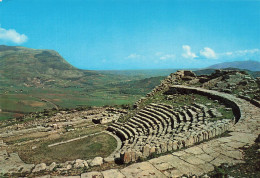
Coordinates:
<point>249,65</point>
<point>254,74</point>
<point>20,65</point>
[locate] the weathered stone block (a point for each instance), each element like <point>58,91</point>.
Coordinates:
<point>126,156</point>
<point>97,161</point>
<point>163,147</point>
<point>205,135</point>
<point>169,146</point>
<point>158,149</point>
<point>133,156</point>
<point>92,174</point>
<point>153,149</point>
<point>200,137</point>
<point>174,145</point>
<point>190,141</point>
<point>40,167</point>
<point>146,150</point>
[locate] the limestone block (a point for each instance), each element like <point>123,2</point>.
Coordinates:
<point>69,166</point>
<point>52,166</point>
<point>153,149</point>
<point>158,149</point>
<point>205,135</point>
<point>64,176</point>
<point>169,146</point>
<point>200,137</point>
<point>143,169</point>
<point>138,155</point>
<point>210,133</point>
<point>97,161</point>
<point>80,163</point>
<point>125,156</point>
<point>190,141</point>
<point>163,147</point>
<point>174,145</point>
<point>195,139</point>
<point>112,173</point>
<point>133,156</point>
<point>40,167</point>
<point>146,150</point>
<point>92,174</point>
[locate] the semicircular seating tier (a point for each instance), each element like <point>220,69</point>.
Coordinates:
<point>160,128</point>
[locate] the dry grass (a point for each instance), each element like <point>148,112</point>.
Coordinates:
<point>86,148</point>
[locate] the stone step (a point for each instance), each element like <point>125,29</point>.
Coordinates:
<point>162,105</point>
<point>137,124</point>
<point>165,107</point>
<point>122,135</point>
<point>144,124</point>
<point>172,118</point>
<point>186,117</point>
<point>157,115</point>
<point>147,115</point>
<point>132,129</point>
<point>124,129</point>
<point>192,114</point>
<point>159,121</point>
<point>166,114</point>
<point>203,108</point>
<point>195,109</point>
<point>147,119</point>
<point>164,111</point>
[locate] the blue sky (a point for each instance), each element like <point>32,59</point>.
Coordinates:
<point>135,34</point>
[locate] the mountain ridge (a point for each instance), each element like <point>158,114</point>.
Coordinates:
<point>248,65</point>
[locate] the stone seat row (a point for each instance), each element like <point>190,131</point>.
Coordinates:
<point>162,145</point>
<point>159,121</point>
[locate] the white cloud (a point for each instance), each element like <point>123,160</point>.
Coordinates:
<point>133,56</point>
<point>167,56</point>
<point>158,53</point>
<point>12,35</point>
<point>208,53</point>
<point>240,53</point>
<point>187,52</point>
<point>229,53</point>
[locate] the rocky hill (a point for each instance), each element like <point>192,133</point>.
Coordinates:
<point>236,82</point>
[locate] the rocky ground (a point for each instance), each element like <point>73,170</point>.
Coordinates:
<point>39,141</point>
